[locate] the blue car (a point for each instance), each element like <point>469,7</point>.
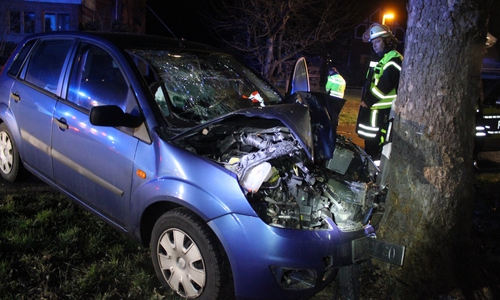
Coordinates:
<point>238,190</point>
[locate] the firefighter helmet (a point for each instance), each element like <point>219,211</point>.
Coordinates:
<point>376,30</point>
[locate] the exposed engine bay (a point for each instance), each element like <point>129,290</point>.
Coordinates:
<point>284,186</point>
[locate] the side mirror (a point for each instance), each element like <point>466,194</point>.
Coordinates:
<point>113,116</point>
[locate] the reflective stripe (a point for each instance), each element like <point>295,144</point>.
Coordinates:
<point>383,105</point>
<point>382,96</point>
<point>367,134</point>
<point>377,34</point>
<point>337,94</point>
<point>373,64</point>
<point>374,129</point>
<point>385,100</point>
<point>373,118</point>
<point>391,63</point>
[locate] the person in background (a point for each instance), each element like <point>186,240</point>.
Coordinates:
<point>335,84</point>
<point>380,90</point>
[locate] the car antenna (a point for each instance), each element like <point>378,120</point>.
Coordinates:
<point>180,42</point>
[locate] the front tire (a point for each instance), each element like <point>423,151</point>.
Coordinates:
<point>10,162</point>
<point>188,258</point>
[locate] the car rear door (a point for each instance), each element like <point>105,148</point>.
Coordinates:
<point>33,96</point>
<point>95,163</point>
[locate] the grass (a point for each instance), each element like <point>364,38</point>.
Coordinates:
<point>52,249</point>
<point>349,114</point>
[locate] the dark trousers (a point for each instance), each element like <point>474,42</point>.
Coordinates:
<point>373,146</point>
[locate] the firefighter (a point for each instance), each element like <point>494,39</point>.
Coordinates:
<point>379,92</point>
<point>335,84</point>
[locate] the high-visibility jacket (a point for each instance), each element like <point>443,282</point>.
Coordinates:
<point>379,96</point>
<point>335,85</point>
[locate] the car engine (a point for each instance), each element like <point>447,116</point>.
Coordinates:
<point>283,185</point>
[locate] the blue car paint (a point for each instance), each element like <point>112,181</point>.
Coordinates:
<point>252,252</point>
<point>169,182</point>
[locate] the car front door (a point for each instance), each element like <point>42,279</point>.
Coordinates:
<point>33,97</point>
<point>95,163</point>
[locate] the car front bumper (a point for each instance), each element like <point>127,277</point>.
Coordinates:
<point>276,263</point>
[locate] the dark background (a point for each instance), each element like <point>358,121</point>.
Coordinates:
<point>186,18</point>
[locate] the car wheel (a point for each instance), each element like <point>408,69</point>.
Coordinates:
<point>10,163</point>
<point>188,258</point>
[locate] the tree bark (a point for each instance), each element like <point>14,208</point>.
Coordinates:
<point>431,192</point>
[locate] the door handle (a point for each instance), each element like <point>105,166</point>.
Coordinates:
<point>61,123</point>
<point>15,96</point>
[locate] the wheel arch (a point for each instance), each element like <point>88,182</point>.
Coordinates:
<point>149,217</point>
<point>156,197</point>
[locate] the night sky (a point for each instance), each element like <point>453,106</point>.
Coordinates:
<point>184,18</point>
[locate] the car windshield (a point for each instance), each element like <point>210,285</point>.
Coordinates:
<point>203,86</point>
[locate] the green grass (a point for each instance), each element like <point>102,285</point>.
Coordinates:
<point>349,114</point>
<point>52,249</point>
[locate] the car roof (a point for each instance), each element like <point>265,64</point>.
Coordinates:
<point>130,40</point>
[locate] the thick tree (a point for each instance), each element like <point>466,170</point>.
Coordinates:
<point>431,192</point>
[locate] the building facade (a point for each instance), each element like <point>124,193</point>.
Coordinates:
<point>20,18</point>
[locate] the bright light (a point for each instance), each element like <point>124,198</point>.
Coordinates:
<point>387,16</point>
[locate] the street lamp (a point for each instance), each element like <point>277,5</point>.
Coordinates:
<point>387,16</point>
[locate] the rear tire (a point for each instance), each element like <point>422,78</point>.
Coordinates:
<point>188,258</point>
<point>10,162</point>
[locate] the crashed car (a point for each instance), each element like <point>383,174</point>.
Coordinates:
<point>239,191</point>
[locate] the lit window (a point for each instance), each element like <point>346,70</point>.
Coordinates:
<point>56,22</point>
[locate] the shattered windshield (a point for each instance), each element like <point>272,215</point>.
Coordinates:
<point>202,86</point>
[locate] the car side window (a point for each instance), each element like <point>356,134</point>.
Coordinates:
<point>45,65</point>
<point>19,59</point>
<point>96,79</point>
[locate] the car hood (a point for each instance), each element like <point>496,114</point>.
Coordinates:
<point>311,117</point>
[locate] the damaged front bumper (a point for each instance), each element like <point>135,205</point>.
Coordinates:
<point>291,263</point>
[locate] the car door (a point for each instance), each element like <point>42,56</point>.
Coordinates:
<point>33,96</point>
<point>95,163</point>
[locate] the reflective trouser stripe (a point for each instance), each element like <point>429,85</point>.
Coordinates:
<point>373,119</point>
<point>367,131</point>
<point>367,134</point>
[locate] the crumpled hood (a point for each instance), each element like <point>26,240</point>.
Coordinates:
<point>311,118</point>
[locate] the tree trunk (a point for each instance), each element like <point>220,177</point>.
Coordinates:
<point>431,190</point>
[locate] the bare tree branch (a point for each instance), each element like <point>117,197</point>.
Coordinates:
<point>268,33</point>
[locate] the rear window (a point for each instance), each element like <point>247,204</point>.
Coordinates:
<point>20,57</point>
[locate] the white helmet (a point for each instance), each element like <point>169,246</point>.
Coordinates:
<point>376,30</point>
